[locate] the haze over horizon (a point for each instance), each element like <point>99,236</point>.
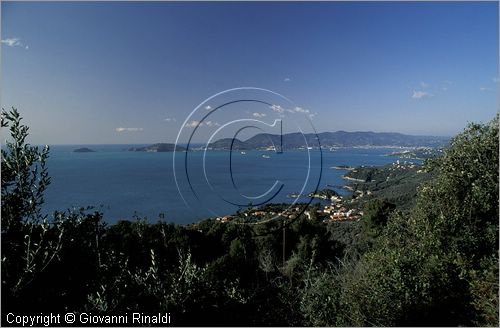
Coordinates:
<point>198,142</point>
<point>130,73</point>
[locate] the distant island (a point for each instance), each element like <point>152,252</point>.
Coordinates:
<point>158,148</point>
<point>84,150</point>
<point>265,141</point>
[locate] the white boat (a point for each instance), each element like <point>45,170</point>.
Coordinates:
<point>243,153</point>
<point>266,156</point>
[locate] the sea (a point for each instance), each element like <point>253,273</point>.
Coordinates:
<point>185,187</point>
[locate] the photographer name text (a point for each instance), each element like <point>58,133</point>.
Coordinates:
<point>51,319</point>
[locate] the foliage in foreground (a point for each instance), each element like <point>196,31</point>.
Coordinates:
<point>437,265</point>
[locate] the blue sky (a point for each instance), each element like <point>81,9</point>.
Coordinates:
<point>91,73</point>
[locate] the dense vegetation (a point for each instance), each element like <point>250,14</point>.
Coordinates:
<point>397,183</point>
<point>435,265</point>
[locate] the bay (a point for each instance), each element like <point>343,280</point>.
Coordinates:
<point>123,183</point>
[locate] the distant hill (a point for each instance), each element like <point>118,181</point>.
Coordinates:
<point>83,150</point>
<point>225,144</point>
<point>333,139</point>
<point>159,147</point>
<point>380,139</point>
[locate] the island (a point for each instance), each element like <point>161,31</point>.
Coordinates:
<point>84,150</point>
<point>159,148</point>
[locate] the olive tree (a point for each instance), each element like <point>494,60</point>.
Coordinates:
<point>29,241</point>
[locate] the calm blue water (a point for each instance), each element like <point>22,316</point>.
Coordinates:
<point>124,182</point>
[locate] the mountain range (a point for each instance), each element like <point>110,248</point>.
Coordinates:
<point>330,139</point>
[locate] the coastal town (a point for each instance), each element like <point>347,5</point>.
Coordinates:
<point>362,184</point>
<point>338,210</point>
<point>331,207</point>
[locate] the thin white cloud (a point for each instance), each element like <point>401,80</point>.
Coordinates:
<point>128,129</point>
<point>194,123</point>
<point>208,107</point>
<point>281,110</point>
<point>169,119</point>
<point>11,42</point>
<point>298,110</point>
<point>424,85</point>
<point>484,89</point>
<point>259,115</point>
<point>495,79</point>
<point>421,94</point>
<point>287,79</point>
<point>301,110</point>
<point>14,42</point>
<point>277,108</point>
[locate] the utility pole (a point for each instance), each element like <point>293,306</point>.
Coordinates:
<point>280,151</point>
<point>281,136</point>
<point>284,226</point>
<point>284,240</point>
